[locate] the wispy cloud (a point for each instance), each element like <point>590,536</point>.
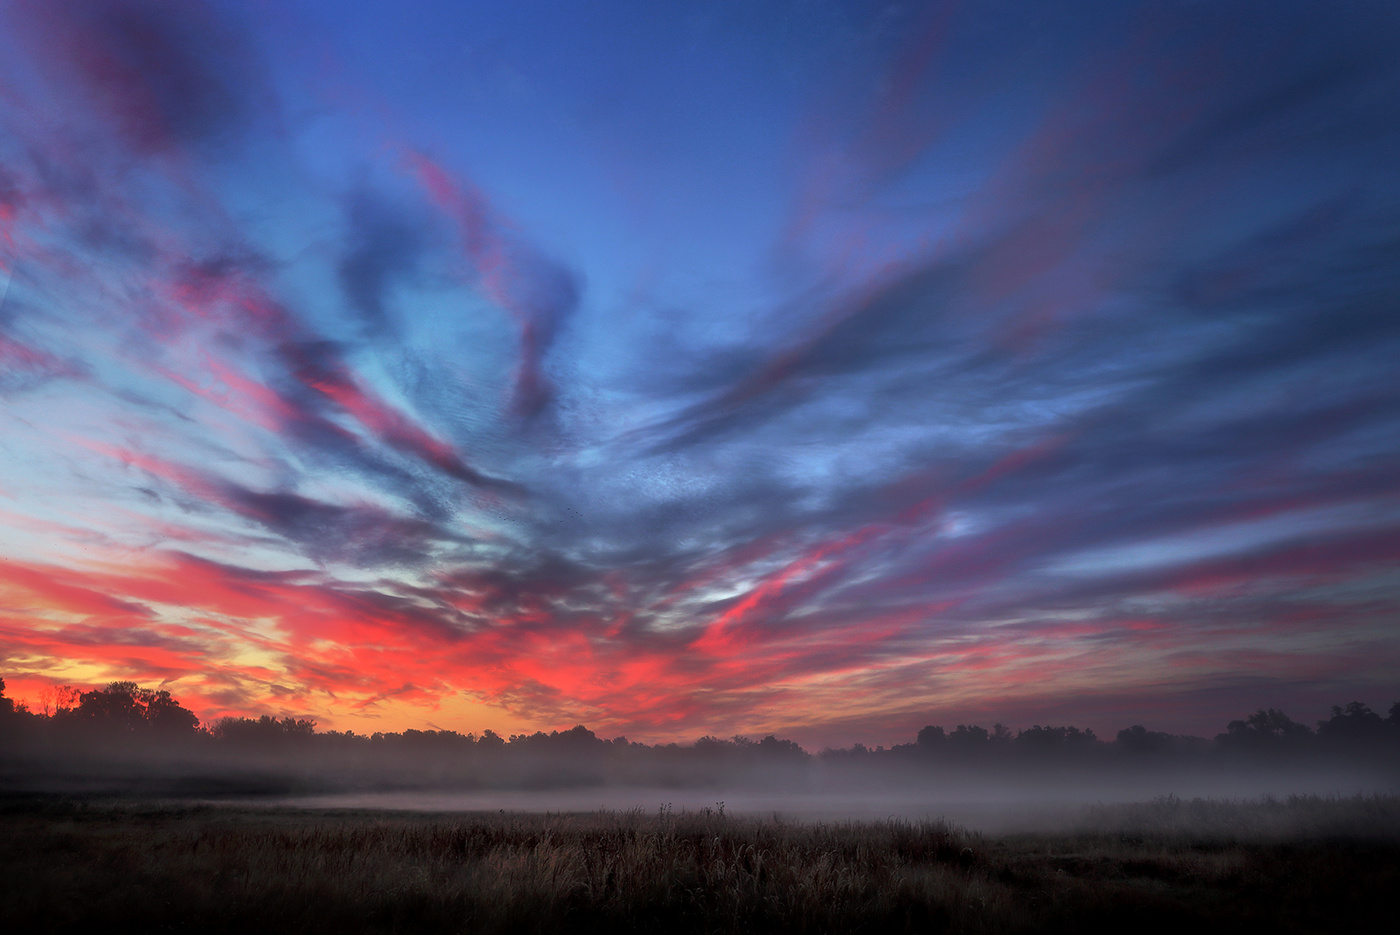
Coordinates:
<point>1056,368</point>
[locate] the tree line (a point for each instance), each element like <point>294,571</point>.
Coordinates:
<point>124,713</point>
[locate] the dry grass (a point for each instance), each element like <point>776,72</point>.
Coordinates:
<point>126,867</point>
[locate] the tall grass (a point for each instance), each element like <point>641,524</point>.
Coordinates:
<point>1271,818</point>
<point>73,866</point>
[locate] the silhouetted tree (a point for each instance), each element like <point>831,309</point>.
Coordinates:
<point>968,739</point>
<point>115,707</point>
<point>266,731</point>
<point>774,750</point>
<point>15,721</point>
<point>931,738</point>
<point>577,738</point>
<point>165,714</point>
<point>1354,725</point>
<point>122,708</point>
<point>1262,730</point>
<point>1055,741</point>
<point>1138,739</point>
<point>427,741</point>
<point>59,699</point>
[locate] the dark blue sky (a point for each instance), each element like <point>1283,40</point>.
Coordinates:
<point>821,368</point>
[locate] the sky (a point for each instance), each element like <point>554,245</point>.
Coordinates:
<point>820,368</point>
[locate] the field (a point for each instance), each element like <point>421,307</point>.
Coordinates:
<point>1297,865</point>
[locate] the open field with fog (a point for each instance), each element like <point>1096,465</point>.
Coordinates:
<point>1301,864</point>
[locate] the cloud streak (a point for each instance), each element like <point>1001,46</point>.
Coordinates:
<point>989,395</point>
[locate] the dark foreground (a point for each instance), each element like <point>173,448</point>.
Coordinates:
<point>1301,865</point>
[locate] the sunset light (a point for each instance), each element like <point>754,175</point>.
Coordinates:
<point>826,370</point>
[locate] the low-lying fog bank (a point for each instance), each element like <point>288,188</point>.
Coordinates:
<point>123,740</point>
<point>988,804</point>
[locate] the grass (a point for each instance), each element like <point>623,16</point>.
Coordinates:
<point>1299,865</point>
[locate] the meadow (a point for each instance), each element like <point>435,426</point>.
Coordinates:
<point>1302,864</point>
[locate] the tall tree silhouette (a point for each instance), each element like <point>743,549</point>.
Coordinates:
<point>128,706</point>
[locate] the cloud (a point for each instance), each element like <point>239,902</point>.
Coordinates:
<point>166,74</point>
<point>24,367</point>
<point>541,293</point>
<point>385,246</point>
<point>59,590</point>
<point>1031,387</point>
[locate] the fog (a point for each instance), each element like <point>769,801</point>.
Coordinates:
<point>125,741</point>
<point>1002,795</point>
<point>978,802</point>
